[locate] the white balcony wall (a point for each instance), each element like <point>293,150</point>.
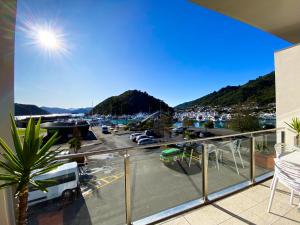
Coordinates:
<point>7,30</point>
<point>287,73</point>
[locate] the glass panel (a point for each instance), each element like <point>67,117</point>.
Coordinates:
<point>100,199</point>
<point>264,152</point>
<point>162,178</point>
<point>232,165</point>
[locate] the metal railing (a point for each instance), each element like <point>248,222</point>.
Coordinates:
<point>195,203</point>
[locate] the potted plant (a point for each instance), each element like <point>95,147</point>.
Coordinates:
<point>24,162</point>
<point>295,126</point>
<point>264,156</point>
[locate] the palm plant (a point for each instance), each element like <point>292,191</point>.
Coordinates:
<point>75,144</point>
<point>26,161</point>
<point>295,125</point>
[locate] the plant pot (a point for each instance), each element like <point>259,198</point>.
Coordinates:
<point>264,161</point>
<point>297,141</point>
<point>81,160</point>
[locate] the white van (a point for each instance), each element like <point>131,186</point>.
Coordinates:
<point>66,183</point>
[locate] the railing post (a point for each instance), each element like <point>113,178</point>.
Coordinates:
<point>252,159</point>
<point>204,172</point>
<point>282,136</point>
<point>127,188</point>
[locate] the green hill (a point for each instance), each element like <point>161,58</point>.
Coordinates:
<point>27,110</point>
<point>131,102</point>
<point>260,91</point>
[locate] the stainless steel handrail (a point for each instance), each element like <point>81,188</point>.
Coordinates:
<point>104,151</point>
<point>252,159</point>
<point>205,172</point>
<point>128,208</point>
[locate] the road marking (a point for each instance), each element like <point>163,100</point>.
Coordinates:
<point>106,180</point>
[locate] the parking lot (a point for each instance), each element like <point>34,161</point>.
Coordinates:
<point>155,186</point>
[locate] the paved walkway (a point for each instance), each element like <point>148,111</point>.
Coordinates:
<point>247,207</point>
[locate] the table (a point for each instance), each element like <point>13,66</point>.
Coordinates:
<point>293,158</point>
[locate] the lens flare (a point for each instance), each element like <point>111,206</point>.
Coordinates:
<point>46,37</point>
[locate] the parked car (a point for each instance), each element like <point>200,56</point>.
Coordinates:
<point>178,130</point>
<point>178,145</point>
<point>203,134</point>
<point>142,137</point>
<point>104,129</point>
<point>146,141</point>
<point>149,132</point>
<point>134,135</point>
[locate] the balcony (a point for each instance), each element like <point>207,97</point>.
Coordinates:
<point>141,189</point>
<point>246,207</point>
<point>139,185</point>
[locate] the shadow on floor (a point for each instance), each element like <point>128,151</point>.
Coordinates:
<point>90,136</point>
<point>57,213</point>
<point>182,167</point>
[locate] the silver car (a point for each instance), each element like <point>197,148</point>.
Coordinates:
<point>142,137</point>
<point>146,141</point>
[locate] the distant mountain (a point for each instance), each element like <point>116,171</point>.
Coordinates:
<point>54,110</point>
<point>57,110</point>
<point>81,110</point>
<point>131,102</point>
<point>24,110</point>
<point>260,91</point>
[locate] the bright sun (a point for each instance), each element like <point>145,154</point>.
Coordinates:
<point>48,39</point>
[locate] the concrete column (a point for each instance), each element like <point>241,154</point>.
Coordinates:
<point>7,32</point>
<point>287,76</point>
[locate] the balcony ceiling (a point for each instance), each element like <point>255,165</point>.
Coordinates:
<point>278,17</point>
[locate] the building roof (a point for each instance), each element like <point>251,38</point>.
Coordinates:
<point>278,17</point>
<point>64,124</point>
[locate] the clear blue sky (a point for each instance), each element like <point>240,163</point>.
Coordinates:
<point>175,50</point>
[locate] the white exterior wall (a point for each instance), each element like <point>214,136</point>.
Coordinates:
<point>7,30</point>
<point>287,73</point>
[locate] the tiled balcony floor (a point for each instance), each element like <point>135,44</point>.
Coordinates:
<point>247,207</point>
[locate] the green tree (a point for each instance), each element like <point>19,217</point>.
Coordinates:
<point>189,134</point>
<point>187,122</point>
<point>162,126</point>
<point>242,120</point>
<point>209,124</point>
<point>244,123</point>
<point>26,161</point>
<point>148,125</point>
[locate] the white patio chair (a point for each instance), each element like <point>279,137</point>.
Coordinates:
<point>282,149</point>
<point>234,147</point>
<point>288,175</point>
<point>212,149</point>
